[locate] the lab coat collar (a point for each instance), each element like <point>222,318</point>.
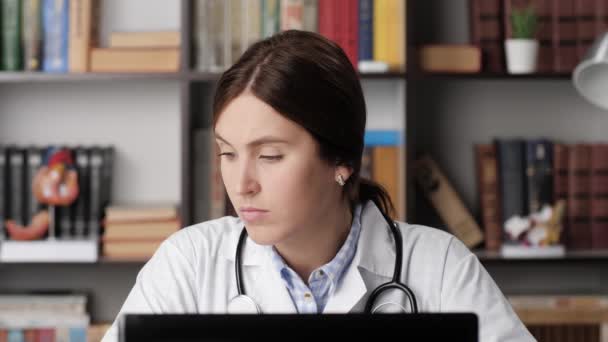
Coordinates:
<point>375,249</point>
<point>375,254</point>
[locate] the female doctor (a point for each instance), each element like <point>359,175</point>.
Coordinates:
<point>311,236</point>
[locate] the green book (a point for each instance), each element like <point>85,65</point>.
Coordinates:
<point>11,34</point>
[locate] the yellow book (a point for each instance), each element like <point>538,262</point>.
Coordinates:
<point>389,33</point>
<point>380,30</point>
<point>145,39</point>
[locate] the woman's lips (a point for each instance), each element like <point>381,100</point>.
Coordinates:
<point>252,215</point>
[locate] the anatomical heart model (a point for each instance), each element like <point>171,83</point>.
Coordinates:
<point>55,183</point>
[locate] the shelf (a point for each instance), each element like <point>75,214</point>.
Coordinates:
<point>497,76</point>
<point>206,76</point>
<point>383,75</point>
<point>23,77</point>
<point>571,255</point>
<point>100,261</point>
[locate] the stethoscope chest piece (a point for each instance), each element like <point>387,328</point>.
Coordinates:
<point>242,304</point>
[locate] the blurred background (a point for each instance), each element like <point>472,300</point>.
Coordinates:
<point>475,126</point>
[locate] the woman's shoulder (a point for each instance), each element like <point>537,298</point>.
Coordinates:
<point>433,241</point>
<point>208,238</point>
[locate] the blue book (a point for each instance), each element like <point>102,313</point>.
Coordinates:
<point>55,25</point>
<point>15,335</point>
<point>383,138</point>
<point>366,33</point>
<point>78,334</point>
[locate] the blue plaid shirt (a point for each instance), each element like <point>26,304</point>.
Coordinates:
<point>324,280</point>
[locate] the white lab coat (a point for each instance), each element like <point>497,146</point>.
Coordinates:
<point>193,272</point>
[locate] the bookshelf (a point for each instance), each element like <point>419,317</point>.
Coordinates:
<point>161,110</point>
<point>448,113</point>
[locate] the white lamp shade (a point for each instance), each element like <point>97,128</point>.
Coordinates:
<point>591,74</point>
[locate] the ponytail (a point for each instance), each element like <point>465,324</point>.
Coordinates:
<point>368,190</point>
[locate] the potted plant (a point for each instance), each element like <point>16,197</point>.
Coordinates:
<point>522,47</point>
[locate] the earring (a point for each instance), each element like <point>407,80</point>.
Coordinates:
<point>340,180</point>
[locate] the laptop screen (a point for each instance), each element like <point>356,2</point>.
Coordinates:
<point>293,327</point>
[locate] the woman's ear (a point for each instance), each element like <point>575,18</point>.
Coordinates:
<point>343,171</point>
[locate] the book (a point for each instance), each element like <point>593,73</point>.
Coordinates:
<point>16,162</point>
<point>95,194</point>
<point>3,191</point>
<point>438,190</point>
<point>135,60</point>
<point>271,17</point>
<point>599,195</point>
<point>141,230</point>
<point>539,174</point>
<point>579,197</point>
<point>130,249</point>
<point>292,14</point>
<point>385,171</point>
<point>83,31</point>
<point>33,164</point>
<point>450,58</point>
<point>145,39</point>
<point>489,195</point>
<point>81,204</point>
<point>560,182</point>
<point>32,35</point>
<point>510,156</point>
<point>49,251</point>
<point>55,28</point>
<point>366,23</point>
<point>310,18</point>
<point>210,35</point>
<point>141,212</point>
<point>487,32</point>
<point>11,35</point>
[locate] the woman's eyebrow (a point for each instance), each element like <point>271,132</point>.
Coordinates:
<point>267,139</point>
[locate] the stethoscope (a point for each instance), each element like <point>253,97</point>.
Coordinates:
<point>245,304</point>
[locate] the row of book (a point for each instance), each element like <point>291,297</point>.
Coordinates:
<point>367,30</point>
<point>566,29</point>
<point>135,232</point>
<point>43,317</point>
<point>518,177</point>
<point>78,226</point>
<point>382,161</point>
<point>60,36</point>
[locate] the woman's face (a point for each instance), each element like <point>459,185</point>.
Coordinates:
<point>272,171</point>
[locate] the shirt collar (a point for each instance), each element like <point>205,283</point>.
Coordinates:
<point>336,267</point>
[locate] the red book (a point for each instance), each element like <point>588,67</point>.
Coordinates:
<point>560,180</point>
<point>351,34</point>
<point>489,196</point>
<point>327,14</point>
<point>599,195</point>
<point>579,197</point>
<point>487,32</point>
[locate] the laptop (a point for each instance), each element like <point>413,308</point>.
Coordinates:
<point>462,327</point>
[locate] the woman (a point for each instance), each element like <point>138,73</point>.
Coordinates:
<point>289,120</point>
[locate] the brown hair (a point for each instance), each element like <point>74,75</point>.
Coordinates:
<point>309,80</point>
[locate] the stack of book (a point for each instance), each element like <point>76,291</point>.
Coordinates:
<point>371,32</point>
<point>152,51</point>
<point>43,317</point>
<point>135,232</point>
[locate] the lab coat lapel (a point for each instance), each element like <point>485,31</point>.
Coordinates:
<point>372,264</point>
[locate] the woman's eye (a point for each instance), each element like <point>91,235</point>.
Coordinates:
<point>226,154</point>
<point>277,157</point>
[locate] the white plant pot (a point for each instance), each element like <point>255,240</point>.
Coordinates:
<point>522,55</point>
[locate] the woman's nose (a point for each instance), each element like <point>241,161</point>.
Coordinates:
<point>247,183</point>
